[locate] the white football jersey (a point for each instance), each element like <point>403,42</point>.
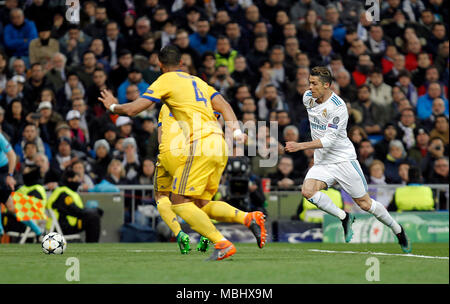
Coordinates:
<point>328,122</point>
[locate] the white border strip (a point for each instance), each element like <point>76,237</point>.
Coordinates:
<point>381,253</point>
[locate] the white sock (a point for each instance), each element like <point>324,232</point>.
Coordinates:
<point>324,202</point>
<point>381,213</point>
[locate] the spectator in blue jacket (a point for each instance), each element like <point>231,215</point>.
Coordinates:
<point>18,34</point>
<point>201,40</point>
<point>425,102</point>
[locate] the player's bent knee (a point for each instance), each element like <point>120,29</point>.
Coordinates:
<point>363,203</point>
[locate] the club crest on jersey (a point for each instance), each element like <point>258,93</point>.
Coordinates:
<point>324,113</point>
<point>311,102</point>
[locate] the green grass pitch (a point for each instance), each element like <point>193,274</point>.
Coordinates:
<point>277,263</point>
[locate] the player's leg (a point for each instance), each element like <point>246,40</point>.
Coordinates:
<point>380,212</point>
<point>316,179</point>
<point>190,182</point>
<point>200,222</point>
<point>162,182</point>
<point>319,178</point>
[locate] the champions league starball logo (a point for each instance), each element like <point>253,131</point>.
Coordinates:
<point>73,11</point>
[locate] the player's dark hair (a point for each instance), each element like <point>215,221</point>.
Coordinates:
<point>323,73</point>
<point>170,56</point>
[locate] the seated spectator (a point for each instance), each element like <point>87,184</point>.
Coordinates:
<point>86,182</point>
<point>425,102</point>
<point>396,155</point>
<point>225,55</point>
<point>414,196</point>
<point>374,115</point>
<point>405,84</point>
<point>441,128</point>
<point>77,137</point>
<point>222,80</point>
<point>48,121</point>
<point>65,94</point>
<point>64,156</point>
<point>440,176</point>
<point>131,162</point>
<point>99,163</point>
<point>403,172</point>
<point>377,177</point>
<point>146,173</point>
<point>440,171</point>
<point>30,135</point>
<point>436,150</point>
<point>438,108</point>
<point>356,134</point>
<point>380,92</point>
<point>18,34</point>
<point>29,152</point>
<point>420,149</point>
<point>242,74</point>
<point>270,101</point>
<point>134,77</point>
<point>430,75</point>
<point>201,40</point>
<point>43,47</point>
<point>10,93</point>
<point>285,177</point>
<point>366,155</point>
<point>124,126</point>
<point>49,177</point>
<point>208,67</point>
<point>362,69</point>
<point>73,44</point>
<point>406,126</point>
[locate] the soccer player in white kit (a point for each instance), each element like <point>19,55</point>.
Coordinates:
<point>335,158</point>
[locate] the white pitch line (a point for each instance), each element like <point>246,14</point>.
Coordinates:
<point>148,250</point>
<point>382,253</point>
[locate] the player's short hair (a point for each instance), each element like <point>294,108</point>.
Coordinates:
<point>323,73</point>
<point>170,55</point>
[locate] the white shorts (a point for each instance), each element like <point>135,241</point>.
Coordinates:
<point>347,174</point>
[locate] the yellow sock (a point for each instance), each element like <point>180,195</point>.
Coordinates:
<point>224,212</point>
<point>169,217</point>
<point>198,220</point>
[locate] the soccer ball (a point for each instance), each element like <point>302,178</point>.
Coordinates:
<point>53,243</point>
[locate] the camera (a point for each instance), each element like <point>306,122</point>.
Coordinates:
<point>238,174</point>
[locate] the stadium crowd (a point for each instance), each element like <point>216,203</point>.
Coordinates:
<point>392,73</point>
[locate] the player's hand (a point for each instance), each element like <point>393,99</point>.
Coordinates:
<point>241,138</point>
<point>107,98</point>
<point>292,146</point>
<point>11,182</point>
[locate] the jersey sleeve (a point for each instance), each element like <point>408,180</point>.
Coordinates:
<point>212,92</point>
<point>158,90</point>
<point>336,123</point>
<point>307,96</point>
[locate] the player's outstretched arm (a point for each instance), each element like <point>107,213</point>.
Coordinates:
<point>128,109</point>
<point>292,146</point>
<point>220,105</point>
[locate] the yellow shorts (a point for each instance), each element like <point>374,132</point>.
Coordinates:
<point>195,171</point>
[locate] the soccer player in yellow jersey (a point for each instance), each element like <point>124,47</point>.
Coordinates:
<point>197,170</point>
